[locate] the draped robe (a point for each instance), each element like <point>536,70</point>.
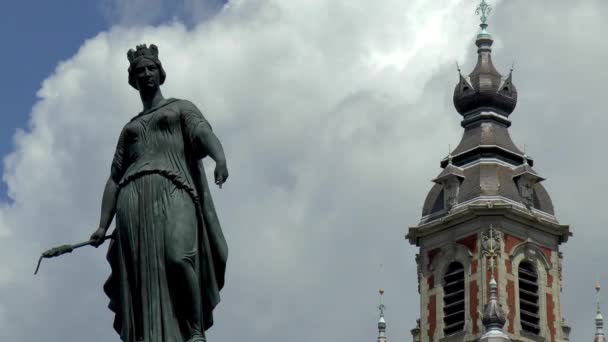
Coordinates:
<point>161,182</point>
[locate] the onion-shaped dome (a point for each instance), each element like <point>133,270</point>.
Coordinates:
<point>485,87</point>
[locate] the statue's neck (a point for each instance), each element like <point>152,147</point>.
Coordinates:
<point>152,99</point>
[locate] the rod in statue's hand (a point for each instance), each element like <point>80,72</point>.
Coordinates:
<point>63,249</point>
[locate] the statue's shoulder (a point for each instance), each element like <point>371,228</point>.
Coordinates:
<point>185,105</point>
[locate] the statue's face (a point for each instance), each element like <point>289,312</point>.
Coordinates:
<point>147,75</point>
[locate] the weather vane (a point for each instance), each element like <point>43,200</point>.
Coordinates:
<point>485,10</point>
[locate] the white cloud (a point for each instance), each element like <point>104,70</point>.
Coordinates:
<point>333,114</point>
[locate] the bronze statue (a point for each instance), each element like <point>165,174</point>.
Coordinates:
<point>168,254</point>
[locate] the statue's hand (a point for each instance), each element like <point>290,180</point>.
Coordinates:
<point>221,173</point>
<point>97,236</point>
<point>57,251</point>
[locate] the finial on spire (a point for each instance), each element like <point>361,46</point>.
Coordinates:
<point>597,295</point>
<point>484,9</point>
<point>381,321</point>
<point>381,307</point>
<point>599,319</point>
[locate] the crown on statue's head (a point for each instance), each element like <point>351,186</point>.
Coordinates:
<point>142,50</point>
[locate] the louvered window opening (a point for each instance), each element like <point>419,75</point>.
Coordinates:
<point>528,298</point>
<point>453,299</point>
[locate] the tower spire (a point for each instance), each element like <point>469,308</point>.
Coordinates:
<point>599,319</point>
<point>485,89</point>
<point>381,321</point>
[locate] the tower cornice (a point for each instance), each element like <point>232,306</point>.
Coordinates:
<point>491,151</point>
<point>473,211</point>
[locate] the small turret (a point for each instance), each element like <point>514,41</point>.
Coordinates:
<point>381,321</point>
<point>599,319</point>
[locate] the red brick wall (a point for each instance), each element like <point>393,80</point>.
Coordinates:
<point>510,242</point>
<point>431,255</point>
<point>547,253</point>
<point>509,266</point>
<point>470,242</point>
<point>432,309</point>
<point>511,305</point>
<point>551,316</point>
<point>474,304</point>
<point>430,280</point>
<point>474,265</point>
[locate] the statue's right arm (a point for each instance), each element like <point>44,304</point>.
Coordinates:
<point>108,201</point>
<point>108,204</point>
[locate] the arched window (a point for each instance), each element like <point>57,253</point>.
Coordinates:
<point>453,299</point>
<point>528,298</point>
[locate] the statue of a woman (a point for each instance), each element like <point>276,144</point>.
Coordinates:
<point>168,255</point>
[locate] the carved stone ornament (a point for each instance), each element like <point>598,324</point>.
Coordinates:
<point>531,251</point>
<point>490,242</point>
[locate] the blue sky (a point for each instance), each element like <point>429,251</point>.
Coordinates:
<point>37,35</point>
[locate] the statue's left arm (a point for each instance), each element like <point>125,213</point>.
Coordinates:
<point>202,139</point>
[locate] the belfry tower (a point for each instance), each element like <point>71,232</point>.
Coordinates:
<point>488,238</point>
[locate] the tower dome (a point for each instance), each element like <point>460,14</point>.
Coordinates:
<point>486,163</point>
<point>485,86</point>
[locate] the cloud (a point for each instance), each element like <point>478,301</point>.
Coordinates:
<point>334,116</point>
<point>133,13</point>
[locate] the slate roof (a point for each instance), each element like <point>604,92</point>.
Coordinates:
<point>488,179</point>
<point>486,158</point>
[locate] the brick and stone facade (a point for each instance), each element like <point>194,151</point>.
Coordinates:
<point>488,183</point>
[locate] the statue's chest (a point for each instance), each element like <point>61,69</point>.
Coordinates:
<point>155,124</point>
<point>159,130</point>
